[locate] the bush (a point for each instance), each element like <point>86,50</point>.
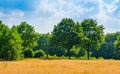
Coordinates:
<point>57,51</point>
<point>83,58</point>
<point>39,54</point>
<point>101,58</point>
<point>28,53</point>
<point>92,58</point>
<point>73,52</point>
<point>81,52</point>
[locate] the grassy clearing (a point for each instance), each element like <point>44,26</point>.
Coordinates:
<point>37,66</point>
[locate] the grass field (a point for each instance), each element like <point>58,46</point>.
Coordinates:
<point>37,66</point>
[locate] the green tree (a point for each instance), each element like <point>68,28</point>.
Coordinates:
<point>57,51</point>
<point>66,35</point>
<point>93,35</point>
<point>39,54</point>
<point>107,49</point>
<point>117,45</point>
<point>28,53</point>
<point>4,32</point>
<point>81,53</point>
<point>14,46</point>
<point>10,43</point>
<point>117,42</point>
<point>28,36</point>
<point>43,43</point>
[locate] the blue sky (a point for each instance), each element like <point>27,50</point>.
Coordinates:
<point>44,14</point>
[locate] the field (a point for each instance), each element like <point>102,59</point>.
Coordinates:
<point>37,66</point>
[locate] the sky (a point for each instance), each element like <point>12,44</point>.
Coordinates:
<point>44,14</point>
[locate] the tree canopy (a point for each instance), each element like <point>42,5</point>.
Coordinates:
<point>93,34</point>
<point>10,43</point>
<point>69,38</point>
<point>29,37</point>
<point>65,35</point>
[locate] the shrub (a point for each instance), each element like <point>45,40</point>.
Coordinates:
<point>81,52</point>
<point>92,58</point>
<point>39,54</point>
<point>28,53</point>
<point>57,51</point>
<point>73,52</point>
<point>101,58</point>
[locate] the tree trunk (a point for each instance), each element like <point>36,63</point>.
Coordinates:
<point>69,56</point>
<point>47,56</point>
<point>88,57</point>
<point>97,54</point>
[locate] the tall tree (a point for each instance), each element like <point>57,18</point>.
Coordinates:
<point>107,49</point>
<point>4,32</point>
<point>93,35</point>
<point>28,36</point>
<point>43,43</point>
<point>117,42</point>
<point>10,43</point>
<point>14,46</point>
<point>117,45</point>
<point>65,35</point>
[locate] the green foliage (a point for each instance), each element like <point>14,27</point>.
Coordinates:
<point>76,40</point>
<point>117,46</point>
<point>117,43</point>
<point>65,35</point>
<point>43,43</point>
<point>10,43</point>
<point>93,35</point>
<point>81,52</point>
<point>28,53</point>
<point>73,52</point>
<point>4,32</point>
<point>14,45</point>
<point>107,49</point>
<point>57,51</point>
<point>28,35</point>
<point>39,54</point>
<point>101,58</point>
<point>62,33</point>
<point>92,58</point>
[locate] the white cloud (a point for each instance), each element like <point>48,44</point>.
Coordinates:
<point>106,17</point>
<point>58,9</point>
<point>12,18</point>
<point>48,13</point>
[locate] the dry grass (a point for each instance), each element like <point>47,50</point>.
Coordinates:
<point>36,66</point>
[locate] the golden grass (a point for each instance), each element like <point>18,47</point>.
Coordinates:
<point>37,66</point>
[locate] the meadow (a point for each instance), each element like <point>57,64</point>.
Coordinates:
<point>37,66</point>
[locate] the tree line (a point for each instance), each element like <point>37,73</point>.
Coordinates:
<point>82,40</point>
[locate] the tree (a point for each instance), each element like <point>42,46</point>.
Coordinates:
<point>4,32</point>
<point>93,35</point>
<point>28,36</point>
<point>14,46</point>
<point>10,43</point>
<point>43,43</point>
<point>57,51</point>
<point>107,49</point>
<point>81,53</point>
<point>28,53</point>
<point>117,44</point>
<point>65,34</point>
<point>39,54</point>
